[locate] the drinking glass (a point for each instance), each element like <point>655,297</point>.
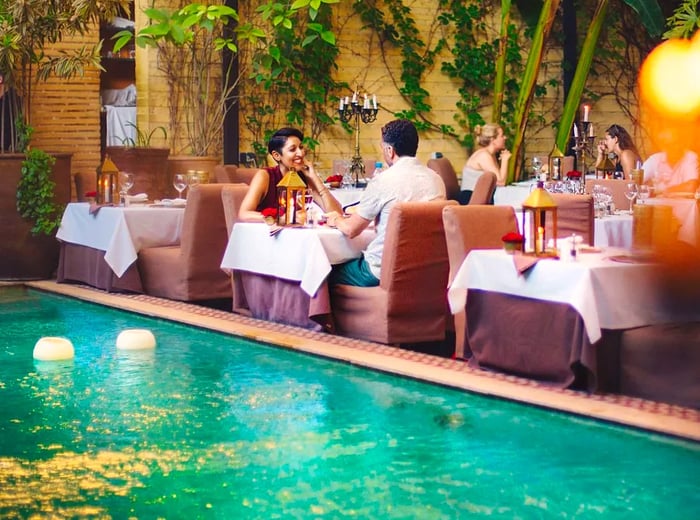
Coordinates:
<point>643,193</point>
<point>126,182</point>
<point>631,191</point>
<point>180,183</point>
<point>193,179</point>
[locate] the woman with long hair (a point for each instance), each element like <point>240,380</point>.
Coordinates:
<point>618,141</point>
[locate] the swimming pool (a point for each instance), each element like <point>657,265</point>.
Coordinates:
<point>210,426</point>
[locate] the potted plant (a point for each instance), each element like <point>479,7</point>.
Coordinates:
<point>148,163</point>
<point>189,41</point>
<point>29,29</point>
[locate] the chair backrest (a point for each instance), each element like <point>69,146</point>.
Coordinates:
<point>483,189</point>
<point>616,186</point>
<point>204,238</point>
<point>414,261</point>
<point>475,227</point>
<point>574,216</point>
<point>231,196</point>
<point>443,167</point>
<point>231,173</point>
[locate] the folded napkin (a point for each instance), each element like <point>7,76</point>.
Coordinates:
<point>139,197</point>
<point>523,263</point>
<point>95,207</point>
<point>173,202</point>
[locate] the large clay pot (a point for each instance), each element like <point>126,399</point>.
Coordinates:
<point>186,163</point>
<point>24,256</point>
<point>149,166</point>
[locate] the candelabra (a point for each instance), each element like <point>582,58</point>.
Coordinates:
<point>584,139</point>
<point>348,110</point>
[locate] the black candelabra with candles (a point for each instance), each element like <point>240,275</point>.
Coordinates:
<point>366,112</point>
<point>584,141</point>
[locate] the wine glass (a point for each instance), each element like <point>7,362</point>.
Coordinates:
<point>126,182</point>
<point>643,193</point>
<point>193,179</point>
<point>180,183</point>
<point>631,192</point>
<point>536,163</point>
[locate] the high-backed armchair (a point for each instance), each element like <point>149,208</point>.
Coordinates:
<point>483,189</point>
<point>191,271</point>
<point>473,227</point>
<point>231,196</point>
<point>410,303</point>
<point>443,167</point>
<point>231,173</point>
<point>574,216</point>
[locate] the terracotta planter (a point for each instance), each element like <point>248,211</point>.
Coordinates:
<point>185,163</point>
<point>149,166</point>
<point>25,256</point>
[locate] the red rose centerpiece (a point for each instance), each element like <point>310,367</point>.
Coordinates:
<point>573,174</point>
<point>270,216</point>
<point>91,196</point>
<point>334,181</point>
<point>512,242</point>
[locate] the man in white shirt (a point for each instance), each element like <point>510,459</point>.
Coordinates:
<point>406,179</point>
<point>669,175</point>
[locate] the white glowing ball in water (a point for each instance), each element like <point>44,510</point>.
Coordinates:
<point>136,339</point>
<point>51,348</point>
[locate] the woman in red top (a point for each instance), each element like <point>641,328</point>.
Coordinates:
<point>286,149</point>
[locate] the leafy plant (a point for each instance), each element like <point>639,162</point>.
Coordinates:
<point>143,139</point>
<point>684,21</point>
<point>35,193</point>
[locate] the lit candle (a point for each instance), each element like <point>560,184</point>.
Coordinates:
<point>540,240</point>
<point>341,104</point>
<point>586,113</point>
<point>374,100</point>
<point>591,132</point>
<point>354,98</point>
<point>575,127</point>
<point>347,100</point>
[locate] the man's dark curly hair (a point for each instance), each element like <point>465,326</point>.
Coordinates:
<point>402,136</point>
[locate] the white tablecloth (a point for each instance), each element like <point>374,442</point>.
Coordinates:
<point>514,194</point>
<point>347,196</point>
<point>614,231</point>
<point>607,294</point>
<point>299,254</point>
<point>121,232</point>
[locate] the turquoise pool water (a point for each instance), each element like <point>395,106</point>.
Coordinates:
<point>210,426</point>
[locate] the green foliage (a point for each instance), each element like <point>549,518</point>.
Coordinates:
<point>143,139</point>
<point>35,193</point>
<point>684,21</point>
<point>291,79</point>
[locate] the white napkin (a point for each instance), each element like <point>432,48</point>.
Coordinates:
<point>173,202</point>
<point>139,197</point>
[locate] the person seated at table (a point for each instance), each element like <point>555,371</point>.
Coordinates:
<point>285,147</point>
<point>669,172</point>
<point>406,179</point>
<point>491,141</point>
<point>617,141</point>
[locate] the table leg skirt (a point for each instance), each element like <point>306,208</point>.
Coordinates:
<point>87,265</point>
<point>281,301</point>
<point>540,340</point>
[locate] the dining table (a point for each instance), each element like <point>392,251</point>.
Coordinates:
<point>280,274</point>
<point>100,244</point>
<point>559,321</point>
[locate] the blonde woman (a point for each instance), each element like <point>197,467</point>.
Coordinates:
<point>490,157</point>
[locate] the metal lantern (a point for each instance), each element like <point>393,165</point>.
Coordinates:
<point>291,194</point>
<point>605,168</point>
<point>108,183</point>
<point>555,163</point>
<point>538,208</point>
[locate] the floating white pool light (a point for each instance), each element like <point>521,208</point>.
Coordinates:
<point>50,348</point>
<point>136,339</point>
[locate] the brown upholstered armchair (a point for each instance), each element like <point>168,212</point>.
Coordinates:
<point>231,173</point>
<point>443,167</point>
<point>191,271</point>
<point>483,189</point>
<point>574,216</point>
<point>410,303</point>
<point>231,196</point>
<point>473,227</point>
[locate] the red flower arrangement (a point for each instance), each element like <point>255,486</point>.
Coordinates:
<point>512,237</point>
<point>334,178</point>
<point>269,212</point>
<point>90,194</point>
<point>574,174</point>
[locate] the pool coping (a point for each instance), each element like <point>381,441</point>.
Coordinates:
<point>634,412</point>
